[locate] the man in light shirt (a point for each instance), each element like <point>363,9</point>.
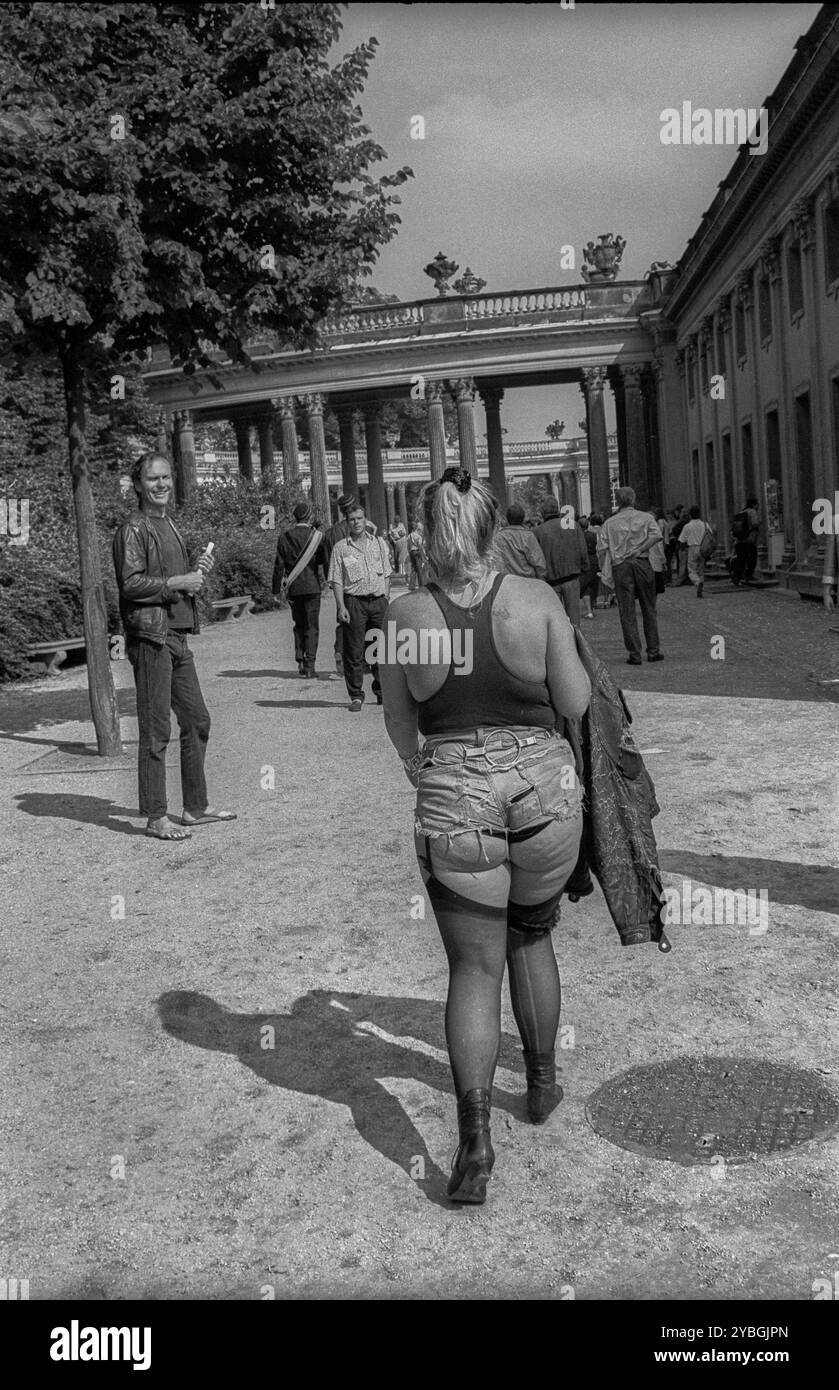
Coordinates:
<point>692,536</point>
<point>624,544</point>
<point>359,573</point>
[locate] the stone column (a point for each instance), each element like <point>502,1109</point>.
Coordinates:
<point>636,443</point>
<point>314,403</point>
<point>814,297</point>
<point>616,379</point>
<point>291,458</point>
<point>375,466</point>
<point>649,395</point>
<point>165,442</point>
<point>492,397</point>
<point>242,430</point>
<point>434,393</point>
<point>573,490</point>
<point>390,499</point>
<point>349,465</point>
<point>594,379</point>
<point>463,390</point>
<point>184,450</point>
<point>556,486</point>
<point>264,426</point>
<point>401,504</point>
<point>770,251</point>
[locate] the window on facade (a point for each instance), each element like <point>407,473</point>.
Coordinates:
<point>727,475</point>
<point>711,482</point>
<point>804,451</point>
<point>795,280</point>
<point>764,307</point>
<point>740,329</point>
<point>748,459</point>
<point>831,242</point>
<point>773,444</point>
<point>720,337</point>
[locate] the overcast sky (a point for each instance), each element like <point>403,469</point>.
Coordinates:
<point>542,128</point>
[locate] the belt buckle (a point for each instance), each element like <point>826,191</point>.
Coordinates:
<point>513,752</point>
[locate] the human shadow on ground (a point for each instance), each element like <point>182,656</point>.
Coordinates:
<point>25,709</point>
<point>276,675</point>
<point>87,810</point>
<point>813,886</point>
<point>299,704</point>
<point>324,1047</point>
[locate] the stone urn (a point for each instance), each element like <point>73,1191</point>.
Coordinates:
<point>602,261</point>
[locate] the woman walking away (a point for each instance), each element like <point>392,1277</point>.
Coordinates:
<point>498,816</point>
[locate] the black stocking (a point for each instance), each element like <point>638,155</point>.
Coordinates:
<point>534,988</point>
<point>474,936</point>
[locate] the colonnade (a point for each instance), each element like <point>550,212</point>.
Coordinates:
<point>635,403</point>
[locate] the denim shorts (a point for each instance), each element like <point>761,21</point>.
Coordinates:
<point>500,796</point>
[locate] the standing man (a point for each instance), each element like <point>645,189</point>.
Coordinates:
<point>300,555</point>
<point>693,534</point>
<point>563,544</point>
<point>359,573</point>
<point>517,549</point>
<point>624,544</point>
<point>336,533</point>
<point>157,607</point>
<point>745,527</point>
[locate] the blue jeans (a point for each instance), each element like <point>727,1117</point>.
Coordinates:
<point>502,797</point>
<point>166,680</point>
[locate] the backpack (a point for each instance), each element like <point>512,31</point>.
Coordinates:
<point>708,544</point>
<point>741,526</point>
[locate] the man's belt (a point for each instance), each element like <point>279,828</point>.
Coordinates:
<point>365,596</point>
<point>564,580</point>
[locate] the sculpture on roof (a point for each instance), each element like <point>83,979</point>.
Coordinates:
<point>602,262</point>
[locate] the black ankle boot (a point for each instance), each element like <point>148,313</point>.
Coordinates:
<point>475,1156</point>
<point>543,1094</point>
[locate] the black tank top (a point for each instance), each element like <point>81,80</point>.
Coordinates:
<point>489,695</point>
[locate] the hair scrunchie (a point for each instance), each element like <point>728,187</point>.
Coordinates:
<point>461,478</point>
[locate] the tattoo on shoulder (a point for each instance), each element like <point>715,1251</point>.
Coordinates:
<point>501,610</point>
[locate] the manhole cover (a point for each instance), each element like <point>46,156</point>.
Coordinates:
<point>696,1109</point>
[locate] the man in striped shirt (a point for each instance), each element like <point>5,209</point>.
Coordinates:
<point>359,573</point>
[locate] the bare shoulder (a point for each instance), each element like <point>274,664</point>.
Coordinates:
<point>520,595</point>
<point>412,608</point>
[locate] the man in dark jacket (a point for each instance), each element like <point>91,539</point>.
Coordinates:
<point>157,607</point>
<point>304,591</point>
<point>517,549</point>
<point>566,554</point>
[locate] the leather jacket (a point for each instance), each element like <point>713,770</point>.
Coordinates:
<point>144,595</point>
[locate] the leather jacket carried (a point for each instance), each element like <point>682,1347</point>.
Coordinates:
<point>144,595</point>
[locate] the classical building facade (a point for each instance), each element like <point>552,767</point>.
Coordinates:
<point>724,369</point>
<point>754,316</point>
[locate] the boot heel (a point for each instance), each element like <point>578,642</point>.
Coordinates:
<point>543,1093</point>
<point>475,1156</point>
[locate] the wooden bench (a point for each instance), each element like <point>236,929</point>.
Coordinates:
<point>234,608</point>
<point>54,654</point>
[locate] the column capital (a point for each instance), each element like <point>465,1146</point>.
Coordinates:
<point>723,313</point>
<point>182,419</point>
<point>657,364</point>
<point>313,402</point>
<point>706,330</point>
<point>630,376</point>
<point>681,361</point>
<point>743,288</point>
<point>803,222</point>
<point>345,414</point>
<point>490,393</point>
<point>435,391</point>
<point>594,379</point>
<point>463,388</point>
<point>285,406</point>
<point>373,412</point>
<point>770,258</point>
<point>691,351</point>
<point>241,426</point>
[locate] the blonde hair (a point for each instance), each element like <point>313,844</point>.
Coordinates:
<point>459,518</point>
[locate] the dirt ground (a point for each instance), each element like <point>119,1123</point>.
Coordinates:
<point>240,1087</point>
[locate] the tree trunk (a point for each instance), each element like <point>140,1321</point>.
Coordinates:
<point>100,681</point>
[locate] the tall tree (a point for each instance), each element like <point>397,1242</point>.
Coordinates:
<point>191,175</point>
